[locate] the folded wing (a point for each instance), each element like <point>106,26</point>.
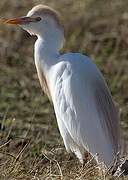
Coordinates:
<point>83,102</point>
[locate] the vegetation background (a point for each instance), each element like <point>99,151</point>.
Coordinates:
<point>30,143</point>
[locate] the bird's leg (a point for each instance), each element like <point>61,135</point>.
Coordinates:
<point>87,157</point>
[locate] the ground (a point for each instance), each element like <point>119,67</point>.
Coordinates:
<point>31,146</point>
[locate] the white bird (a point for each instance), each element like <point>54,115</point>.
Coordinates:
<point>86,115</point>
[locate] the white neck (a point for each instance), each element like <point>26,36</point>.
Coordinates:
<point>47,49</point>
<point>48,45</point>
<point>45,53</point>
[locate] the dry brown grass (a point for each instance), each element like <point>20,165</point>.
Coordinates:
<point>31,146</point>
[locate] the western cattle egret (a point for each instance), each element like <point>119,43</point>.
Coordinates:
<point>86,115</point>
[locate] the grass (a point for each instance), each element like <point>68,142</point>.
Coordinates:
<point>31,146</point>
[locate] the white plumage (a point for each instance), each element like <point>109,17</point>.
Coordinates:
<point>86,115</point>
<point>85,112</point>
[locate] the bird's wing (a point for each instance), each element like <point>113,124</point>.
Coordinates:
<point>83,101</point>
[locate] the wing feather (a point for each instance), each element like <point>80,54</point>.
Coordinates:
<point>108,113</point>
<point>83,102</point>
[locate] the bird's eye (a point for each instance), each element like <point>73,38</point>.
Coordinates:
<point>38,19</point>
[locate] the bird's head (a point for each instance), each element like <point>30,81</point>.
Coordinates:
<point>42,21</point>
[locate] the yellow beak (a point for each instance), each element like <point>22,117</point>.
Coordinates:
<point>21,20</point>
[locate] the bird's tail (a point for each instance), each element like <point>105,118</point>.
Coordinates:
<point>122,169</point>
